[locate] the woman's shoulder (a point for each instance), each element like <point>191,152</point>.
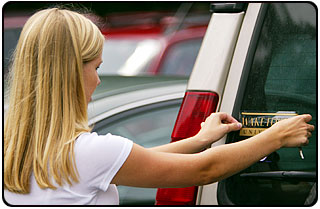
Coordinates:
<point>101,143</point>
<point>95,137</point>
<point>99,157</point>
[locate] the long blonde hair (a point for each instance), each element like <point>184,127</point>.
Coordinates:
<point>48,108</point>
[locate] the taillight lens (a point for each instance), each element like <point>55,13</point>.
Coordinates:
<point>195,108</point>
<point>177,196</point>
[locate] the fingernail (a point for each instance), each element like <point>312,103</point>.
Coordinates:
<point>239,125</point>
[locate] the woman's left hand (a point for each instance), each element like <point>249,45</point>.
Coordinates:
<point>216,126</point>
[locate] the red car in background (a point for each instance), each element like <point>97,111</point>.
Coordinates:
<point>153,44</point>
<point>150,43</point>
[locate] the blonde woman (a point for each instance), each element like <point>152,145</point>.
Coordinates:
<point>50,156</point>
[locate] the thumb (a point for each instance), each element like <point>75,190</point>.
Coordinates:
<point>234,126</point>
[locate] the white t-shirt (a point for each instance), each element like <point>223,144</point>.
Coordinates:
<point>98,159</point>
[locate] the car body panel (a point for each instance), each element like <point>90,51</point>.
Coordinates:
<point>205,197</point>
<point>222,34</point>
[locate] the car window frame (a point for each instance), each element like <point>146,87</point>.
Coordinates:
<point>249,60</point>
<point>222,196</point>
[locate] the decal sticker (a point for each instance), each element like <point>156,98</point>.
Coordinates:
<point>254,123</point>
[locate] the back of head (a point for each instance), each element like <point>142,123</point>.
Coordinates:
<point>48,108</point>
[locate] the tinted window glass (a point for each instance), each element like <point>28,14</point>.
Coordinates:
<point>282,78</point>
<point>148,127</point>
<point>180,58</point>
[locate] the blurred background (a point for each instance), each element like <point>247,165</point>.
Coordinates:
<point>142,38</point>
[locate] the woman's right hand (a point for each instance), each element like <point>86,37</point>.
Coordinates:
<point>295,131</point>
<point>216,126</point>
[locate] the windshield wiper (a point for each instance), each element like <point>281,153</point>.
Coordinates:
<point>309,176</point>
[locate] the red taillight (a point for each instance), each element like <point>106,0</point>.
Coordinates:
<point>177,196</point>
<point>195,108</point>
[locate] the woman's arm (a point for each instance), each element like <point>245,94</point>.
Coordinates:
<point>146,168</point>
<point>218,124</point>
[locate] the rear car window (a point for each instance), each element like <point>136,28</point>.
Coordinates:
<point>282,79</point>
<point>180,58</point>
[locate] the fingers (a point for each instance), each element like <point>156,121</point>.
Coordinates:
<point>223,120</point>
<point>233,126</point>
<point>305,143</point>
<point>232,123</point>
<point>226,118</point>
<point>309,134</point>
<point>307,117</point>
<point>310,127</point>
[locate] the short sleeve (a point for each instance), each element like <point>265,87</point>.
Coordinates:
<point>99,158</point>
